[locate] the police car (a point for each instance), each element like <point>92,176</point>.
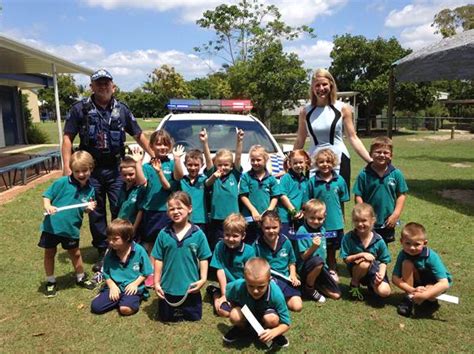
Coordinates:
<point>221,119</point>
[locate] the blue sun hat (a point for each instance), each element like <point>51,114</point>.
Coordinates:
<point>101,73</point>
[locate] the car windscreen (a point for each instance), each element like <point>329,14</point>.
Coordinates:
<point>222,134</point>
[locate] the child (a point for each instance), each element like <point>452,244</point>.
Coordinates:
<point>383,186</point>
<point>194,182</point>
<point>278,251</point>
<point>293,190</point>
<point>264,299</point>
<point>366,254</point>
<point>224,176</point>
<point>419,270</point>
<point>180,252</point>
<point>312,254</point>
<point>258,191</point>
<point>64,227</point>
<point>126,265</point>
<point>329,187</point>
<point>229,259</point>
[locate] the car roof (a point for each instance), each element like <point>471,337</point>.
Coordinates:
<point>210,116</point>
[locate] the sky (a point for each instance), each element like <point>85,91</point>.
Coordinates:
<point>132,37</point>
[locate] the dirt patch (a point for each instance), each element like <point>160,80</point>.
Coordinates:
<point>460,165</point>
<point>416,139</point>
<point>462,196</point>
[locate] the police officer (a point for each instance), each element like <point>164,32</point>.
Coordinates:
<point>101,122</point>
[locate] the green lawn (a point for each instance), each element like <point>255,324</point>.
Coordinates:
<point>29,322</point>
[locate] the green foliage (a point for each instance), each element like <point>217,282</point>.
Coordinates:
<point>67,91</point>
<point>214,86</point>
<point>141,103</point>
<point>34,134</point>
<point>284,124</point>
<point>448,21</point>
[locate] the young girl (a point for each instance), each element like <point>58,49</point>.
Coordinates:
<point>294,190</point>
<point>311,252</point>
<point>366,254</point>
<point>278,251</point>
<point>329,187</point>
<point>258,191</point>
<point>180,252</point>
<point>126,265</point>
<point>224,176</point>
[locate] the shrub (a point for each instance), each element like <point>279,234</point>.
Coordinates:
<point>35,135</point>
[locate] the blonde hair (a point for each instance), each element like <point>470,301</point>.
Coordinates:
<point>223,154</point>
<point>235,223</point>
<point>362,208</point>
<point>162,136</point>
<point>122,228</point>
<point>256,267</point>
<point>413,229</point>
<point>259,149</point>
<point>327,153</point>
<point>80,159</point>
<point>326,74</point>
<point>381,142</point>
<point>314,205</point>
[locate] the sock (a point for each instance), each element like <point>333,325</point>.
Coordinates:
<point>80,276</point>
<point>51,279</point>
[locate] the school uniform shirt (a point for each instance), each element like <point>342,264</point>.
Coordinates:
<point>259,192</point>
<point>225,194</point>
<point>156,195</point>
<point>137,264</point>
<point>333,194</point>
<point>427,260</point>
<point>130,202</point>
<point>180,258</point>
<point>280,258</point>
<point>66,191</point>
<point>237,293</point>
<point>351,244</point>
<point>301,245</point>
<point>197,192</point>
<point>232,261</point>
<point>380,192</point>
<point>295,187</point>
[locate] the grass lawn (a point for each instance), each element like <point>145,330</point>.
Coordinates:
<point>29,322</point>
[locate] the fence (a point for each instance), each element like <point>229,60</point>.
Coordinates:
<point>420,123</point>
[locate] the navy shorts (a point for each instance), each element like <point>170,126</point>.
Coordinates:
<point>216,232</point>
<point>324,280</point>
<point>289,228</point>
<point>102,303</point>
<point>425,277</point>
<point>151,225</point>
<point>287,289</point>
<point>335,242</point>
<point>190,310</point>
<point>387,234</point>
<point>369,278</point>
<point>252,232</point>
<point>48,240</point>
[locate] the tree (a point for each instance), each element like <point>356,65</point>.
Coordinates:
<point>67,91</point>
<point>214,86</point>
<point>448,21</point>
<point>242,28</point>
<point>142,104</point>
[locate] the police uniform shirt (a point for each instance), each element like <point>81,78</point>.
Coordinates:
<point>180,258</point>
<point>197,192</point>
<point>295,187</point>
<point>137,264</point>
<point>351,244</point>
<point>237,293</point>
<point>225,194</point>
<point>333,194</point>
<point>66,191</point>
<point>130,202</point>
<point>427,260</point>
<point>232,261</point>
<point>280,258</point>
<point>258,191</point>
<point>380,192</point>
<point>156,195</point>
<point>301,245</point>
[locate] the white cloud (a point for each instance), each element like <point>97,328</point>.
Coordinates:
<point>314,56</point>
<point>418,37</point>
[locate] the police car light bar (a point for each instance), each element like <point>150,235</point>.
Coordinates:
<point>185,105</point>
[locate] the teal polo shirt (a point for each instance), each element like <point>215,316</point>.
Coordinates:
<point>427,260</point>
<point>380,192</point>
<point>333,194</point>
<point>280,258</point>
<point>302,245</point>
<point>130,202</point>
<point>137,264</point>
<point>259,192</point>
<point>156,196</point>
<point>197,192</point>
<point>237,293</point>
<point>377,247</point>
<point>66,191</point>
<point>225,194</point>
<point>295,187</point>
<point>232,261</point>
<point>180,258</point>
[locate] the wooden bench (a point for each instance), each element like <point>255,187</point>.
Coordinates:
<point>22,167</point>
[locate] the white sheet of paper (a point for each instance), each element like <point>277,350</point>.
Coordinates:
<point>448,298</point>
<point>80,205</point>
<point>279,275</point>
<point>253,322</point>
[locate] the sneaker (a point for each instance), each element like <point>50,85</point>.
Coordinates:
<point>86,283</point>
<point>97,267</point>
<point>281,341</point>
<point>150,281</point>
<point>405,308</point>
<point>51,290</point>
<point>98,277</point>
<point>313,294</point>
<point>356,293</point>
<point>334,275</point>
<point>233,334</point>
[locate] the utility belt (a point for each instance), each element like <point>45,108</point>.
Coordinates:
<point>107,159</point>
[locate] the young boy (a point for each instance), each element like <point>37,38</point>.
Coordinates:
<point>126,265</point>
<point>64,227</point>
<point>264,299</point>
<point>419,270</point>
<point>229,258</point>
<point>383,186</point>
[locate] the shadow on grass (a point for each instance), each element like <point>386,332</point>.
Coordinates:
<point>450,159</point>
<point>89,255</point>
<point>428,190</point>
<point>63,282</point>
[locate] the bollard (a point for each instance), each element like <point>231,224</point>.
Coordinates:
<point>452,132</point>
